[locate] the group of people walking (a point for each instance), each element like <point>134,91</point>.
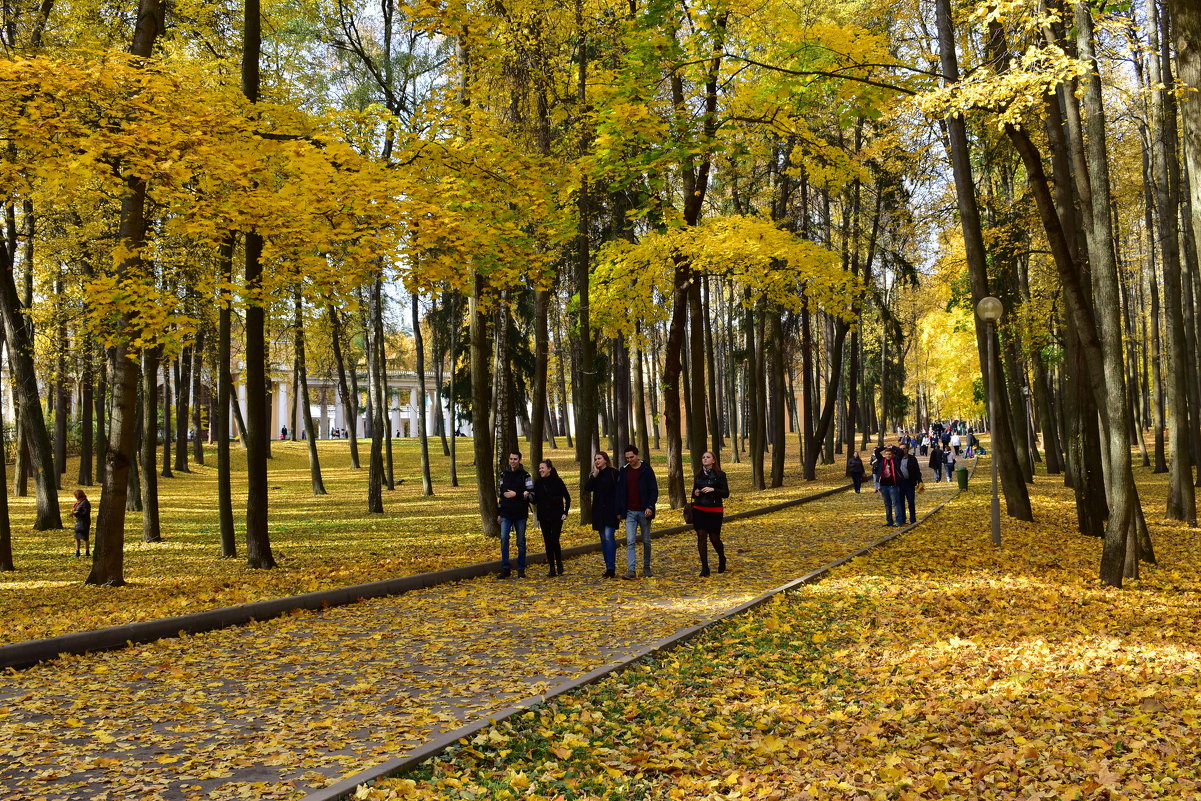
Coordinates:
<point>897,472</point>
<point>626,496</point>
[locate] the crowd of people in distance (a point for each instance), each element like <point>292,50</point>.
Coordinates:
<point>619,497</point>
<point>897,470</point>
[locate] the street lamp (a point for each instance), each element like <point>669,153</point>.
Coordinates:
<point>989,310</point>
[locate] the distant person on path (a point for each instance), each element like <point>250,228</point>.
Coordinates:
<point>890,480</point>
<point>82,510</point>
<point>855,470</point>
<point>911,475</point>
<point>514,499</point>
<point>283,433</point>
<point>950,465</point>
<point>637,491</point>
<point>709,489</point>
<point>955,443</point>
<point>602,483</point>
<point>937,460</point>
<point>553,502</point>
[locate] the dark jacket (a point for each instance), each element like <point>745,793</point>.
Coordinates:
<point>937,458</point>
<point>83,517</point>
<point>712,478</point>
<point>877,461</point>
<point>551,499</point>
<point>914,467</point>
<point>519,481</point>
<point>648,489</point>
<point>854,466</point>
<point>603,487</point>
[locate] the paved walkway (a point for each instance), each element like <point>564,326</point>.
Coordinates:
<point>275,709</point>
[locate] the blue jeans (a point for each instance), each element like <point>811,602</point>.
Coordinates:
<point>908,496</point>
<point>634,521</point>
<point>608,537</point>
<point>892,500</point>
<point>506,525</point>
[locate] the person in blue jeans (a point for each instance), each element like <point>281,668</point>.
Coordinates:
<point>890,488</point>
<point>514,502</point>
<point>602,483</point>
<point>637,491</point>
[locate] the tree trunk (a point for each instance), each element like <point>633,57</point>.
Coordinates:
<point>672,376</point>
<point>100,404</point>
<point>480,391</point>
<point>541,362</point>
<point>25,389</point>
<point>86,405</point>
<point>195,371</point>
<point>1017,499</point>
<point>779,407</point>
<point>375,472</point>
<point>306,408</point>
<point>166,429</point>
<point>349,397</point>
<point>427,483</point>
<point>225,397</point>
<point>1166,178</point>
<point>6,543</point>
<point>183,406</point>
<point>151,529</point>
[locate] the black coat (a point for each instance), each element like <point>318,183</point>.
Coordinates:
<point>517,508</point>
<point>715,479</point>
<point>83,517</point>
<point>854,467</point>
<point>603,487</point>
<point>551,499</point>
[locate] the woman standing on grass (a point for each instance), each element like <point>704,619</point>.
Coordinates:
<point>709,489</point>
<point>82,510</point>
<point>602,483</point>
<point>552,503</point>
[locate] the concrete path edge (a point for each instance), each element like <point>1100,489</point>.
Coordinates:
<point>346,788</point>
<point>32,652</point>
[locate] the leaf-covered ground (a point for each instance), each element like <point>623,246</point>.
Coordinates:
<point>935,667</point>
<point>320,541</point>
<point>266,710</point>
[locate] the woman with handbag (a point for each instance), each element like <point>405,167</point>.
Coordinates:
<point>602,483</point>
<point>709,490</point>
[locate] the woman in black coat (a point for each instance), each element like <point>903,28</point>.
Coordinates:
<point>709,490</point>
<point>855,470</point>
<point>552,503</point>
<point>82,511</point>
<point>602,483</point>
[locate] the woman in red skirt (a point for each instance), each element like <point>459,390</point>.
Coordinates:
<point>709,490</point>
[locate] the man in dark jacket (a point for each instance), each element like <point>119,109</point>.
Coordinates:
<point>637,491</point>
<point>910,471</point>
<point>514,501</point>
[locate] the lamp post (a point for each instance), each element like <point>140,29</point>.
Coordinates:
<point>989,310</point>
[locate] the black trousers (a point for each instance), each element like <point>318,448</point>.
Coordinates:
<point>552,530</point>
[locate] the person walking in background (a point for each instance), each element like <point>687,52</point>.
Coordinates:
<point>855,470</point>
<point>911,475</point>
<point>514,492</point>
<point>955,443</point>
<point>709,490</point>
<point>950,465</point>
<point>890,487</point>
<point>637,491</point>
<point>82,511</point>
<point>602,483</point>
<point>937,459</point>
<point>552,502</point>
